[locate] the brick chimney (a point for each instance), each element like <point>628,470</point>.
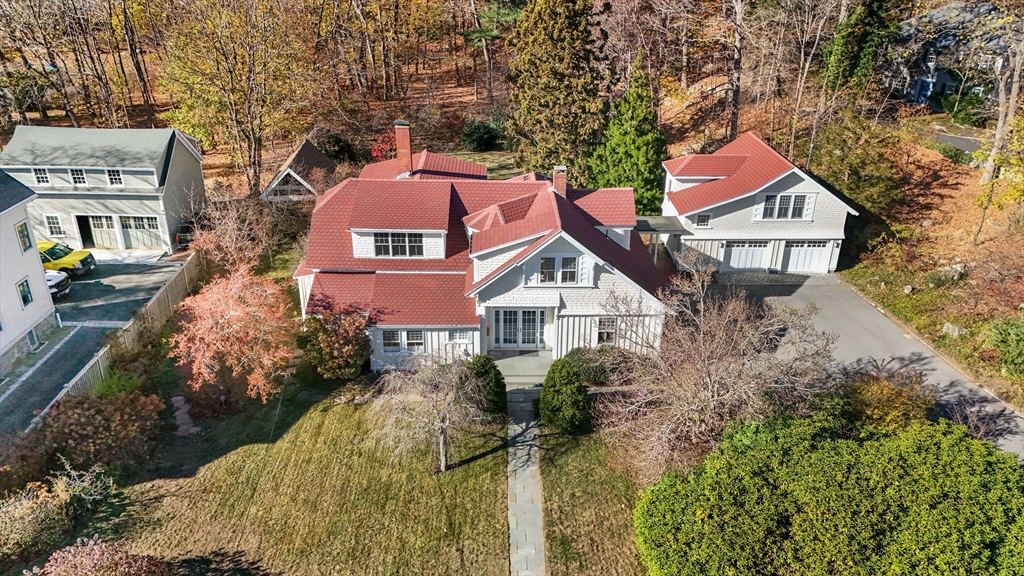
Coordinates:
<point>403,145</point>
<point>558,180</point>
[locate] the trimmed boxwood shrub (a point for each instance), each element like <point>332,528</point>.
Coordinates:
<point>590,363</point>
<point>563,398</point>
<point>798,497</point>
<point>495,396</point>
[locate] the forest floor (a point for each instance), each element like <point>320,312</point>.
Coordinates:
<point>936,224</point>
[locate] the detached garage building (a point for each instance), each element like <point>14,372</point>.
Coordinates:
<point>745,207</point>
<point>115,189</point>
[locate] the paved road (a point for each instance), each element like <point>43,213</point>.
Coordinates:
<point>103,299</point>
<point>965,143</point>
<point>866,333</point>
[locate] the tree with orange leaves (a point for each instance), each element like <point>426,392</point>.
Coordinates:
<point>237,326</point>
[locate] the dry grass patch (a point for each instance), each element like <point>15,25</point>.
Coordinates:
<point>322,499</point>
<point>500,163</point>
<point>588,509</point>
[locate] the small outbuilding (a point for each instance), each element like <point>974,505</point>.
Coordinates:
<point>302,175</point>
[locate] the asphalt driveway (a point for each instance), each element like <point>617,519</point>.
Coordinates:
<point>866,334</point>
<point>99,303</point>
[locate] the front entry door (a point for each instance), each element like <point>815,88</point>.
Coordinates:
<point>519,328</point>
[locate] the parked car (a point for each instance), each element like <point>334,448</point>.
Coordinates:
<point>185,234</point>
<point>58,282</point>
<point>62,258</point>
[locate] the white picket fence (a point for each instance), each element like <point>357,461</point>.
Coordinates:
<point>157,311</point>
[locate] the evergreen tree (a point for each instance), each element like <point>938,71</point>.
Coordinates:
<point>557,109</point>
<point>632,148</point>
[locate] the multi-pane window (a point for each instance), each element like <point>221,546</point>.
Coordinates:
<point>53,226</point>
<point>606,330</point>
<point>414,341</point>
<point>78,176</point>
<point>784,207</point>
<point>392,341</point>
<point>114,178</point>
<point>459,335</point>
<point>397,244</point>
<point>569,270</point>
<point>703,220</point>
<point>41,175</point>
<point>23,236</point>
<point>547,270</point>
<point>25,292</point>
<point>139,223</point>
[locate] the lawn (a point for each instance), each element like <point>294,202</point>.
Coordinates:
<point>500,164</point>
<point>297,486</point>
<point>588,509</point>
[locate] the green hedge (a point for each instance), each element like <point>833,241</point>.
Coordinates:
<point>796,497</point>
<point>495,394</point>
<point>563,398</point>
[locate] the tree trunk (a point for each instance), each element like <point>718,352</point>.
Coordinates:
<point>735,69</point>
<point>442,448</point>
<point>984,210</point>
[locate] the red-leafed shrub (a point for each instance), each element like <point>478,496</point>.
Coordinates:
<point>334,339</point>
<point>384,146</point>
<point>91,557</point>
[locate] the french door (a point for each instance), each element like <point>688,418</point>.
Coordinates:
<point>519,327</point>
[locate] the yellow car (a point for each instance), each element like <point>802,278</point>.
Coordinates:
<point>61,257</point>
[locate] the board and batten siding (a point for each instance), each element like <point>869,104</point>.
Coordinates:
<point>636,334</point>
<point>435,343</point>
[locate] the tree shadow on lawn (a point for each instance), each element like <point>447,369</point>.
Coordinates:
<point>219,564</point>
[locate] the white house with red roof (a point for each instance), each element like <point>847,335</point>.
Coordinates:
<point>454,264</point>
<point>748,208</point>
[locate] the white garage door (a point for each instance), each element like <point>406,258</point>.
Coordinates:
<point>746,255</point>
<point>807,256</point>
<point>140,232</point>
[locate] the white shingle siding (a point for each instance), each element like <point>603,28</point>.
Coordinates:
<point>489,261</point>
<point>620,235</point>
<point>433,245</point>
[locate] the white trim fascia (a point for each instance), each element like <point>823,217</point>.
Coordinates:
<point>826,190</point>
<point>507,244</point>
<point>561,234</point>
<point>406,230</point>
<point>9,167</point>
<point>179,135</point>
<point>22,203</point>
<point>744,195</point>
<point>430,327</point>
<point>463,272</point>
<point>277,180</point>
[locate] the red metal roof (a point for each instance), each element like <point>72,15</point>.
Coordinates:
<point>607,206</point>
<point>742,166</point>
<point>427,166</point>
<point>384,205</point>
<point>402,299</point>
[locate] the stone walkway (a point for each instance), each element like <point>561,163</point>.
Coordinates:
<point>525,516</point>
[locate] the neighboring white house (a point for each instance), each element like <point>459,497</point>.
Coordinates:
<point>454,264</point>
<point>107,188</point>
<point>26,310</point>
<point>748,208</point>
<point>300,176</point>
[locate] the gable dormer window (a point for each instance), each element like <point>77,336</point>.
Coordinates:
<point>114,178</point>
<point>42,176</point>
<point>398,244</point>
<point>78,176</point>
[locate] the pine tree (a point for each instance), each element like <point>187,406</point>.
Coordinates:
<point>632,148</point>
<point>557,109</point>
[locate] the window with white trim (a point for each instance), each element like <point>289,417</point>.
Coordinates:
<point>23,235</point>
<point>606,329</point>
<point>702,221</point>
<point>397,244</point>
<point>25,291</point>
<point>139,223</point>
<point>114,178</point>
<point>77,176</point>
<point>54,226</point>
<point>569,270</point>
<point>392,341</point>
<point>547,270</point>
<point>784,207</point>
<point>458,335</point>
<point>414,341</point>
<point>42,175</point>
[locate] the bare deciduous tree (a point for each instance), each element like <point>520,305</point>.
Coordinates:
<point>433,404</point>
<point>721,358</point>
<point>236,233</point>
